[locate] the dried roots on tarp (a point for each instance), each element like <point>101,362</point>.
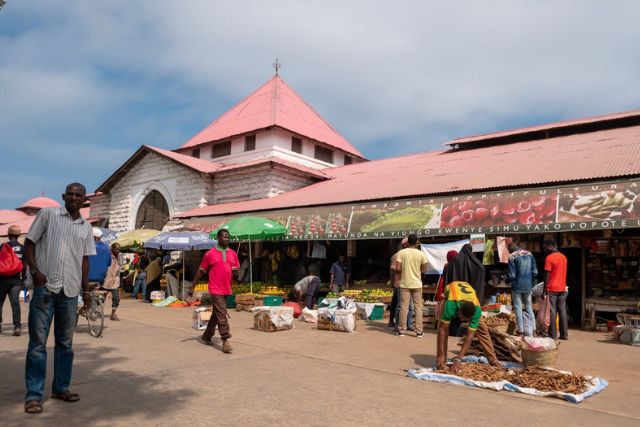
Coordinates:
<point>507,347</point>
<point>535,377</point>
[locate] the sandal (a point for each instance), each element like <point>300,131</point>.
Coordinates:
<point>66,396</point>
<point>33,407</point>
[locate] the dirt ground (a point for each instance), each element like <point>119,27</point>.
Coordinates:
<point>150,369</point>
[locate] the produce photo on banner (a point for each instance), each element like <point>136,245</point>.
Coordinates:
<point>611,202</point>
<point>524,207</point>
<point>395,216</point>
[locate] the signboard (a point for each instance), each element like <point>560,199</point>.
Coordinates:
<point>599,206</point>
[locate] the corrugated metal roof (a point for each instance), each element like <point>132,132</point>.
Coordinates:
<point>548,126</point>
<point>24,224</point>
<point>11,215</point>
<point>273,104</point>
<point>597,155</point>
<point>200,165</point>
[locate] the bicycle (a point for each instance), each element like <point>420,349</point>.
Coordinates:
<point>95,312</point>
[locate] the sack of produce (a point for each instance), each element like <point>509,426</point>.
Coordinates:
<point>272,318</point>
<point>296,308</point>
<point>309,316</point>
<point>341,320</point>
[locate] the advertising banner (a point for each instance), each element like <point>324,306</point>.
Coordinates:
<point>598,206</point>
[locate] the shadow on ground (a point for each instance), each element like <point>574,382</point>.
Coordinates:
<point>108,392</point>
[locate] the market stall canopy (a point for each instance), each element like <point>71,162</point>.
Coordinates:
<point>252,228</point>
<point>108,235</point>
<point>135,238</point>
<point>181,241</point>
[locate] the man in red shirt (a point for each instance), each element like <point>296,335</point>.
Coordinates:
<point>555,285</point>
<point>219,263</point>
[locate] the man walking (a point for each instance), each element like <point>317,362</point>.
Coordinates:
<point>57,250</point>
<point>340,274</point>
<point>11,285</point>
<point>555,285</point>
<point>112,281</point>
<point>522,274</point>
<point>219,263</point>
<point>411,263</point>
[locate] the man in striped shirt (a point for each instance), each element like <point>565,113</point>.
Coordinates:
<point>57,248</point>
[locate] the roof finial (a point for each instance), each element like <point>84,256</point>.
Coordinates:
<point>277,65</point>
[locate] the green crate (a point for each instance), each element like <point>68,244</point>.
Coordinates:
<point>231,301</point>
<point>272,301</point>
<point>377,313</point>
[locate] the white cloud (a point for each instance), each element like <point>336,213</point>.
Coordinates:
<point>120,73</point>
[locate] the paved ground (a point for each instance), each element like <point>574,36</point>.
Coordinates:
<point>149,369</point>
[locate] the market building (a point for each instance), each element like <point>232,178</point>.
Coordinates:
<point>575,182</point>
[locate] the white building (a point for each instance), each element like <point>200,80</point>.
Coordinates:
<point>271,142</point>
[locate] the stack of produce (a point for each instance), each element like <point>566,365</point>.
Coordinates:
<point>365,295</point>
<point>507,347</point>
<point>535,377</point>
<point>245,302</point>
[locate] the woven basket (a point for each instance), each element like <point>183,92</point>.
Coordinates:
<point>547,358</point>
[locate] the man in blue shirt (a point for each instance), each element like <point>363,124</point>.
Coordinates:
<point>522,274</point>
<point>339,275</point>
<point>101,261</point>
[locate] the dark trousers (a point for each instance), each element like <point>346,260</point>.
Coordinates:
<point>394,305</point>
<point>219,318</point>
<point>558,303</point>
<point>311,296</point>
<point>12,288</point>
<point>115,297</point>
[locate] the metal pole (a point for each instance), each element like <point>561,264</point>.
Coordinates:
<point>183,270</point>
<point>250,267</point>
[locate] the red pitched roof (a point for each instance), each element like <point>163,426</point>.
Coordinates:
<point>200,165</point>
<point>602,120</point>
<point>39,203</point>
<point>273,104</point>
<point>10,215</point>
<point>24,224</point>
<point>598,155</point>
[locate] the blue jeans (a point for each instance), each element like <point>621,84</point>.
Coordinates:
<point>44,308</point>
<point>141,284</point>
<point>410,316</point>
<point>518,298</point>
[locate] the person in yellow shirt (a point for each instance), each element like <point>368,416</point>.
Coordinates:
<point>411,264</point>
<point>460,300</point>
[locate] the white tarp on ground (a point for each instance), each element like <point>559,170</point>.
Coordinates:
<point>596,384</point>
<point>437,254</point>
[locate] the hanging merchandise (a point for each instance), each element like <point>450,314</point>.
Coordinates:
<point>319,251</point>
<point>489,254</point>
<point>503,248</point>
<point>437,254</point>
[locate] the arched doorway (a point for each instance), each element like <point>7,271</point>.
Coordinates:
<point>153,212</point>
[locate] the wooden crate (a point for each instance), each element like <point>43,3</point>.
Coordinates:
<point>245,299</point>
<point>326,325</point>
<point>430,322</point>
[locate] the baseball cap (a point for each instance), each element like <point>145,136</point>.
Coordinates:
<point>97,232</point>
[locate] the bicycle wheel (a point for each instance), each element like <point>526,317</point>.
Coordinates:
<point>95,316</point>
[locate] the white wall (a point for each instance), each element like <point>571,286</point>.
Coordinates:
<point>182,188</point>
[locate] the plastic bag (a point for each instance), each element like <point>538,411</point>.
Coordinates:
<point>296,308</point>
<point>539,343</point>
<point>309,316</point>
<point>544,315</point>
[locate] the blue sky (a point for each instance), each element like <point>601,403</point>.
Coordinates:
<point>84,84</point>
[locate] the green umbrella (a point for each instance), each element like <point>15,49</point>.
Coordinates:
<point>251,228</point>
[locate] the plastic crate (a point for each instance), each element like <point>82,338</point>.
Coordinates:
<point>231,301</point>
<point>377,313</point>
<point>272,301</point>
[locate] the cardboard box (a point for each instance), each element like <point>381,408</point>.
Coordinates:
<point>201,318</point>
